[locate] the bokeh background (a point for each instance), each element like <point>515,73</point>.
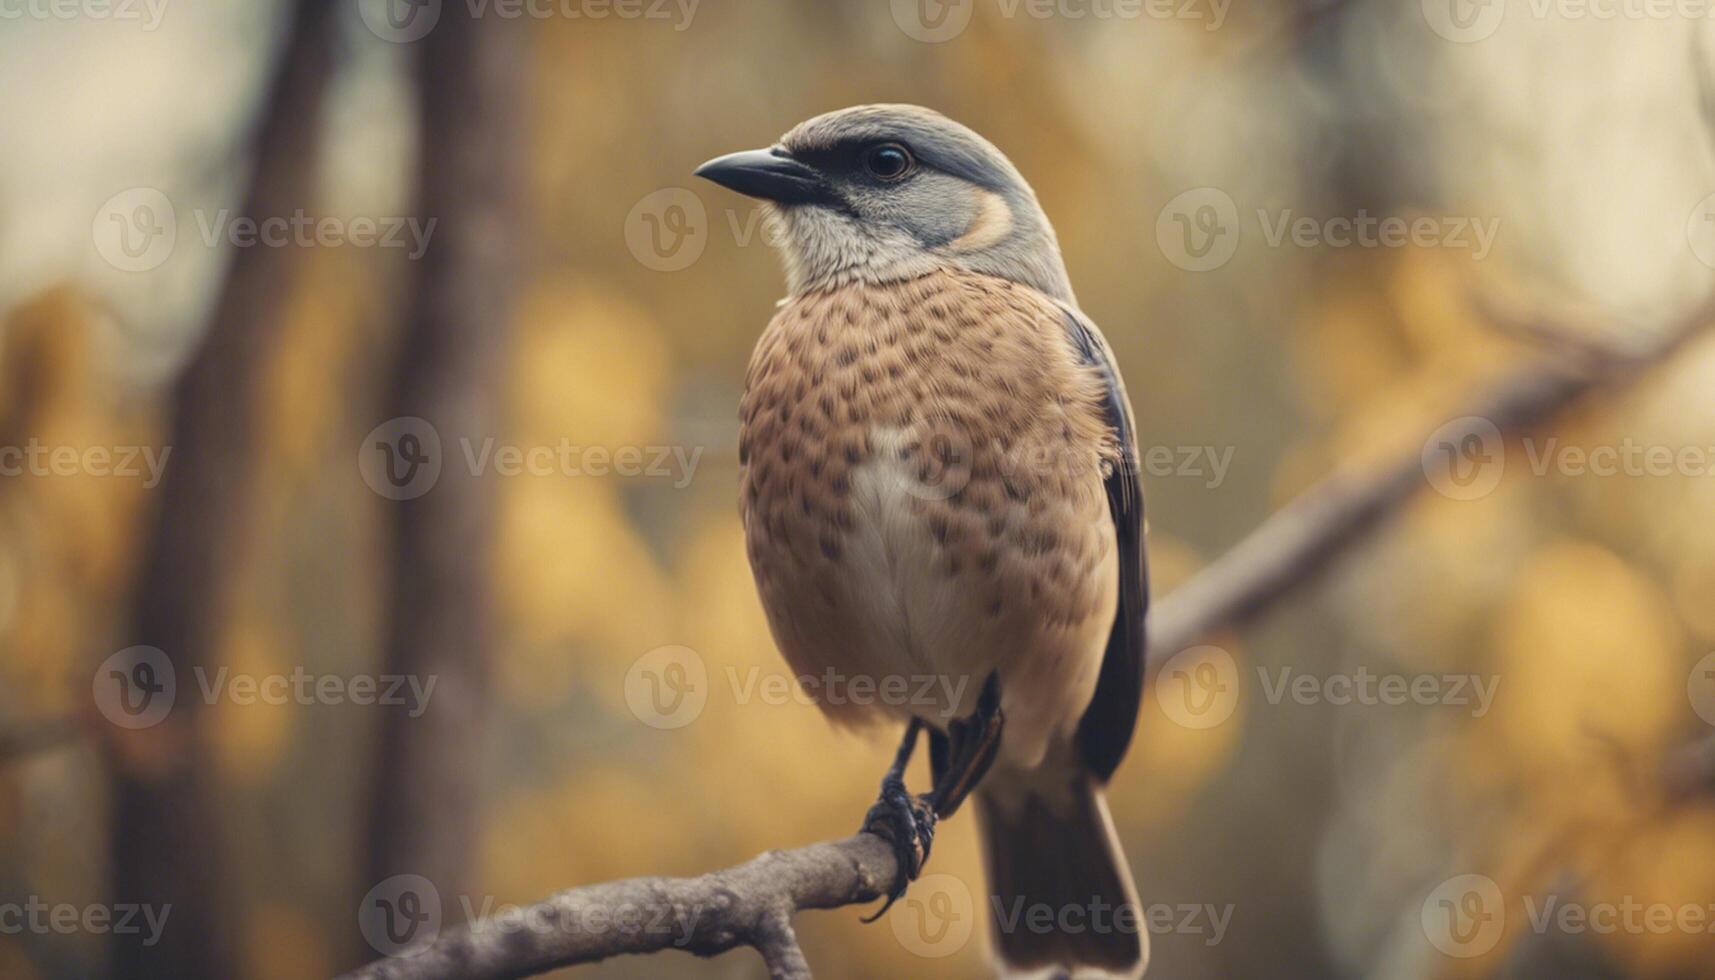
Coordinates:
<point>1283,836</point>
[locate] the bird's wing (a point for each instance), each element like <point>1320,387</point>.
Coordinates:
<point>1106,728</point>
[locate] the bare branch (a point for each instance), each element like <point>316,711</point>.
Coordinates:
<point>748,905</point>
<point>1309,533</point>
<point>752,904</point>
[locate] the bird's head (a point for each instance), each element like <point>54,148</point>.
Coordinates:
<point>883,192</point>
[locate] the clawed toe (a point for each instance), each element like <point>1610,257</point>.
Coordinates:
<point>908,824</point>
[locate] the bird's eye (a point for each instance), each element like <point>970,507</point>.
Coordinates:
<point>889,161</point>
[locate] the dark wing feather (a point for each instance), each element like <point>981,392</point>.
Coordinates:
<point>1105,731</point>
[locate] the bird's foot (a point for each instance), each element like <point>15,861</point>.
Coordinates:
<point>907,823</point>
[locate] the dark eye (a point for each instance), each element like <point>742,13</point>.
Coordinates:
<point>889,161</point>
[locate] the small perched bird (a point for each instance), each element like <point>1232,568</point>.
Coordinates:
<point>940,482</point>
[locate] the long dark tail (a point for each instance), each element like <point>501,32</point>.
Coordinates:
<point>1058,880</point>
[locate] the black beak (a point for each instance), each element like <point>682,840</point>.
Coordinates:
<point>769,174</point>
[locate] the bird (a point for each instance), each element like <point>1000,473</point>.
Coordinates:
<point>939,482</point>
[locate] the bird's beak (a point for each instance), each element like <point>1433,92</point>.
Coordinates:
<point>772,175</point>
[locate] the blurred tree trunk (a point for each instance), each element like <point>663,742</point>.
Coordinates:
<point>165,830</point>
<point>449,372</point>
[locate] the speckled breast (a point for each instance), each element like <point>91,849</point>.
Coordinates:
<point>922,485</point>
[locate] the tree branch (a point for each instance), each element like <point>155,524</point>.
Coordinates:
<point>748,905</point>
<point>1304,537</point>
<point>752,904</point>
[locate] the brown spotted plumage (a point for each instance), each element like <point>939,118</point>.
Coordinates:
<point>941,506</point>
<point>922,496</point>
